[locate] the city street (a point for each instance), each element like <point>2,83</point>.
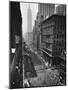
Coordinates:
<point>37,45</point>
<point>35,58</point>
<point>45,77</point>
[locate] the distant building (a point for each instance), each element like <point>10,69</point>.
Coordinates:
<point>37,33</point>
<point>46,10</point>
<point>29,38</point>
<point>35,38</point>
<point>29,19</point>
<point>53,37</point>
<point>61,10</point>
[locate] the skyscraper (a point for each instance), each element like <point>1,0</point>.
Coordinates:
<point>29,19</point>
<point>29,34</point>
<point>46,10</point>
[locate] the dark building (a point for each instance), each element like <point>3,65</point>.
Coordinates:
<point>15,64</point>
<point>15,22</point>
<point>53,38</point>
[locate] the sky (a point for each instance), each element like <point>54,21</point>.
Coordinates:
<point>24,7</point>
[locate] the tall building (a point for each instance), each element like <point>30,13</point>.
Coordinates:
<point>46,10</point>
<point>53,37</point>
<point>16,43</point>
<point>36,32</point>
<point>36,36</point>
<point>29,35</point>
<point>29,19</point>
<point>15,23</point>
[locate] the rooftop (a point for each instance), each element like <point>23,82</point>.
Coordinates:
<point>53,16</point>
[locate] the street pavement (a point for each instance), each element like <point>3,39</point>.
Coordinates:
<point>35,58</point>
<point>45,77</point>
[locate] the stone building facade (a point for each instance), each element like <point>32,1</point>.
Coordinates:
<point>53,37</point>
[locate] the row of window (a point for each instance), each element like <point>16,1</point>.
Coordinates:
<point>59,22</point>
<point>59,36</point>
<point>59,42</point>
<point>59,28</point>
